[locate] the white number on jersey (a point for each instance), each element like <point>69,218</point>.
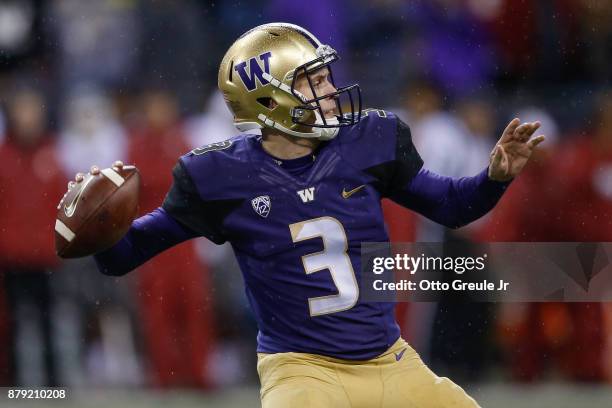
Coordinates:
<point>333,258</point>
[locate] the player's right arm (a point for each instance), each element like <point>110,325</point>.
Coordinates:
<point>148,236</point>
<point>182,216</point>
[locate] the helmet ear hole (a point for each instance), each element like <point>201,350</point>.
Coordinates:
<point>267,103</point>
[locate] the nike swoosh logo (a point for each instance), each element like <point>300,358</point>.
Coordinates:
<point>347,194</point>
<point>398,356</point>
<point>70,208</point>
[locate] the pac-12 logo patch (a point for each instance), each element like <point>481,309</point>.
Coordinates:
<point>262,205</point>
<point>255,71</point>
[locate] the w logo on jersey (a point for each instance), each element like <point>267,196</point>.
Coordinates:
<point>262,205</point>
<point>255,72</point>
<point>307,195</point>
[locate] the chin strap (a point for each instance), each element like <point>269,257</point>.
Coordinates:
<point>315,133</point>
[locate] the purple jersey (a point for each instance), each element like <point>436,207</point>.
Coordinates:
<point>297,234</point>
<point>296,227</point>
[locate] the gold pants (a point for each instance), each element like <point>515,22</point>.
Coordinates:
<point>397,378</point>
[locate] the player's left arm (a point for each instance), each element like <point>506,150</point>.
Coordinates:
<point>450,201</point>
<point>456,202</point>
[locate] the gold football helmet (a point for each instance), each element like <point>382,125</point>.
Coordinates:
<point>262,66</point>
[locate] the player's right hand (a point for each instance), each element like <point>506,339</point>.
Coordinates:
<point>94,171</point>
<point>97,211</point>
<point>79,177</point>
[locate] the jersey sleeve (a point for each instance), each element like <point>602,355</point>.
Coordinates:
<point>148,236</point>
<point>184,203</point>
<point>452,202</point>
<point>407,161</point>
<point>385,151</point>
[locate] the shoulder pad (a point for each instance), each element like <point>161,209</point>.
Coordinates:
<point>381,145</point>
<point>218,169</point>
<point>372,141</point>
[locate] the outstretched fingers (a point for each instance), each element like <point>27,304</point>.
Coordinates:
<point>510,129</point>
<point>530,130</point>
<point>534,126</point>
<point>536,141</point>
<point>526,130</point>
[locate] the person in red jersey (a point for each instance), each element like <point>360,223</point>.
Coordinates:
<point>585,210</point>
<point>543,207</point>
<point>586,165</point>
<point>29,176</point>
<point>174,290</point>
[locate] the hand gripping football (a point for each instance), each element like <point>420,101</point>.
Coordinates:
<point>97,212</point>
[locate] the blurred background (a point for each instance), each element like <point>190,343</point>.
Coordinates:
<point>90,82</point>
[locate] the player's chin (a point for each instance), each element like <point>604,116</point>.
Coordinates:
<point>330,114</point>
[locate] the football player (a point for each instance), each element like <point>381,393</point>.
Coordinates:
<point>296,203</point>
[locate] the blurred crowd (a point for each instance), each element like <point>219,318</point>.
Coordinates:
<point>85,83</point>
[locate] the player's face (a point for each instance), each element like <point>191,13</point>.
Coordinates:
<point>321,82</point>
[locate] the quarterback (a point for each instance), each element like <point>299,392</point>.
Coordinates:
<point>296,203</point>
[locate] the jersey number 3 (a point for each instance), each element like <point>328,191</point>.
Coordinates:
<point>333,258</point>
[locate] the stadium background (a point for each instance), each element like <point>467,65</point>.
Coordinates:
<point>89,82</point>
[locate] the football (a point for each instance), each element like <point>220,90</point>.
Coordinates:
<point>97,212</point>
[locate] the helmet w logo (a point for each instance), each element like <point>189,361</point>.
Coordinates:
<point>255,71</point>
